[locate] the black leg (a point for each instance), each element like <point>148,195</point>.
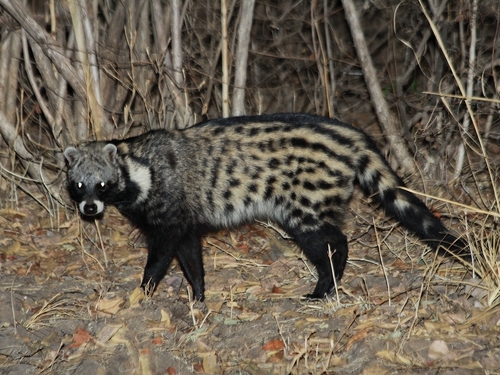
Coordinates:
<point>315,245</point>
<point>189,254</point>
<point>161,251</point>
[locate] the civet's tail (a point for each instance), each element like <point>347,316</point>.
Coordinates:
<point>377,179</point>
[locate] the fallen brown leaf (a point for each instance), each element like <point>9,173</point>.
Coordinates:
<point>80,337</point>
<point>275,344</point>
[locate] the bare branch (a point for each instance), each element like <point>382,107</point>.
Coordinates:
<point>186,116</point>
<point>470,88</point>
<point>176,28</point>
<point>385,117</point>
<point>53,49</point>
<point>241,58</point>
<point>9,134</point>
<point>225,63</point>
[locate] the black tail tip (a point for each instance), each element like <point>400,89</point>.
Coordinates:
<point>453,246</point>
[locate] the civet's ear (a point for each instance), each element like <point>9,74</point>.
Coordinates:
<point>110,152</point>
<point>72,154</point>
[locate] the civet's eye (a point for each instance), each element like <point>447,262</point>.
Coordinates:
<point>101,186</point>
<point>79,185</point>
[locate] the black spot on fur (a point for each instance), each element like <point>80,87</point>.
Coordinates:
<point>274,163</point>
<point>209,197</point>
<point>329,214</point>
<point>271,180</point>
<point>309,186</point>
<point>299,142</point>
<point>255,157</point>
<point>304,201</point>
<point>273,129</point>
<point>268,192</point>
<point>309,220</point>
<point>310,170</point>
<point>247,201</point>
<point>171,159</point>
<point>215,171</point>
<point>231,166</point>
<point>321,184</point>
<point>272,146</point>
<point>234,182</point>
<point>210,150</point>
<point>333,200</point>
<point>256,174</point>
<point>253,188</point>
<point>253,132</point>
<point>219,130</point>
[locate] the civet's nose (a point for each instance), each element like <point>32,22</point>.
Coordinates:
<point>90,209</point>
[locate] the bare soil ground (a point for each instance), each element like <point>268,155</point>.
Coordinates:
<point>69,304</point>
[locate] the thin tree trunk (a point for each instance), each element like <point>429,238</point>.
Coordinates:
<point>52,48</point>
<point>225,63</point>
<point>9,73</point>
<point>9,134</point>
<point>469,90</point>
<point>56,53</point>
<point>385,117</point>
<point>241,58</point>
<point>185,116</point>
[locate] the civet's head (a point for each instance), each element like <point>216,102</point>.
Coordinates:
<point>92,176</point>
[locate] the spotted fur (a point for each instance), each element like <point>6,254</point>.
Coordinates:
<point>296,170</point>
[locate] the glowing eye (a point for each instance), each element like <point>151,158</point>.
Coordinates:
<point>80,185</point>
<point>101,186</point>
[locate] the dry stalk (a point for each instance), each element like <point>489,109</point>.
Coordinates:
<point>14,322</point>
<point>244,262</point>
<point>330,254</point>
<point>84,251</point>
<point>321,61</point>
<point>464,206</point>
<point>406,337</point>
<point>33,81</point>
<point>103,248</point>
<point>57,355</point>
<point>486,264</point>
<point>270,225</point>
<point>50,309</point>
<point>384,270</point>
<point>467,102</point>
